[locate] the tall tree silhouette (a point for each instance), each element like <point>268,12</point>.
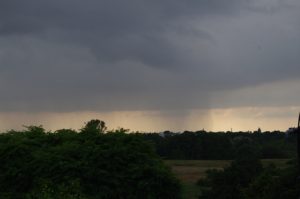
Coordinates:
<point>94,126</point>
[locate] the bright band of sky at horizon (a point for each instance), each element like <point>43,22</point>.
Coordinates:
<point>235,119</point>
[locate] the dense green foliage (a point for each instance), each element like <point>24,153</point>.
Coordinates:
<point>245,178</point>
<point>204,145</point>
<point>94,163</point>
<point>228,183</point>
<point>85,165</point>
<point>275,183</point>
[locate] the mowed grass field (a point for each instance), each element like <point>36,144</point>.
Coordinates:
<point>190,171</point>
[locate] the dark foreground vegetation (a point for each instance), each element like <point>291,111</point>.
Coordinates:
<point>246,178</point>
<point>94,163</point>
<point>89,164</point>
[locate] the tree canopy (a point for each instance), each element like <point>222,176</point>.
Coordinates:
<point>86,165</point>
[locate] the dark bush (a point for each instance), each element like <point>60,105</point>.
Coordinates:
<point>70,164</point>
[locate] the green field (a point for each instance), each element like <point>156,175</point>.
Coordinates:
<point>190,171</point>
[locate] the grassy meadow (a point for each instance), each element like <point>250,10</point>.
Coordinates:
<point>190,171</point>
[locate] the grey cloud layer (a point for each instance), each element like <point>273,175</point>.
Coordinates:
<point>64,55</point>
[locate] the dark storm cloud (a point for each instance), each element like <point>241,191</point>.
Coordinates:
<point>115,30</point>
<point>139,54</point>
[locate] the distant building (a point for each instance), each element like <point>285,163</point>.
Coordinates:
<point>290,131</point>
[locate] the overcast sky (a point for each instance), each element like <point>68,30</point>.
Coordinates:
<point>150,64</point>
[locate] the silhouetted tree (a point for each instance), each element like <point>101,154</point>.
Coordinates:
<point>94,126</point>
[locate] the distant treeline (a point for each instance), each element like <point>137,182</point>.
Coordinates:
<point>202,145</point>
